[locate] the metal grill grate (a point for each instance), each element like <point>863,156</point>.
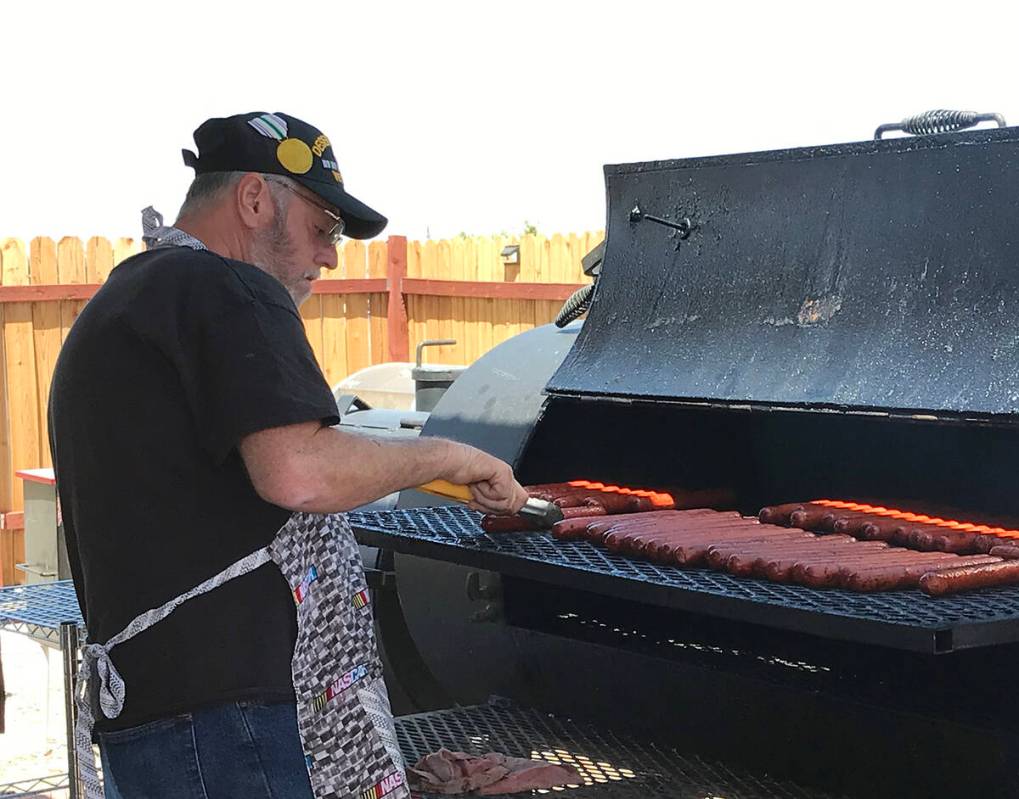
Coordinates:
<point>614,766</point>
<point>902,619</point>
<point>38,610</point>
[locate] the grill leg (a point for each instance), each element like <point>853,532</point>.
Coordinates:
<point>69,650</point>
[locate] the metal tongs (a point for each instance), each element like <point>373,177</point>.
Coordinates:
<point>539,510</point>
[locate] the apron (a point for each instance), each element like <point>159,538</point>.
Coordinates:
<point>343,714</point>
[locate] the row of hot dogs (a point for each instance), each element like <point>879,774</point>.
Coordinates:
<point>747,548</point>
<point>822,517</point>
<point>855,550</point>
<point>924,534</point>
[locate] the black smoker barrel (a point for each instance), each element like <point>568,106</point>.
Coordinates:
<point>836,321</point>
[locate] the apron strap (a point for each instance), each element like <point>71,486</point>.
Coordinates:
<point>96,662</point>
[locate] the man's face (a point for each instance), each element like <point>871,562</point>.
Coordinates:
<point>297,246</point>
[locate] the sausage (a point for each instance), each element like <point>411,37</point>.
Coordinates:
<point>516,524</point>
<point>766,549</point>
<point>1005,551</point>
<point>852,525</point>
<point>813,517</point>
<point>839,573</point>
<point>690,553</point>
<point>570,500</point>
<point>894,577</point>
<point>763,565</point>
<point>562,493</point>
<point>986,543</point>
<point>571,528</point>
<point>817,572</point>
<point>665,520</point>
<point>656,515</point>
<point>779,514</point>
<point>583,512</point>
<point>714,535</point>
<point>930,539</point>
<point>627,540</point>
<point>768,546</point>
<point>614,503</point>
<point>637,521</point>
<point>598,529</point>
<point>509,524</point>
<point>660,545</point>
<point>780,569</point>
<point>968,578</point>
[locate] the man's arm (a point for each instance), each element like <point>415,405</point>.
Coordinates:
<point>308,467</point>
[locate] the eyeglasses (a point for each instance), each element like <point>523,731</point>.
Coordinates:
<point>335,232</point>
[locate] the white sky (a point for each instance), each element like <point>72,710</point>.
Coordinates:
<point>462,116</point>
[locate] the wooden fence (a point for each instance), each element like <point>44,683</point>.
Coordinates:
<point>382,300</point>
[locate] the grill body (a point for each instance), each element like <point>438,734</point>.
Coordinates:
<point>829,322</point>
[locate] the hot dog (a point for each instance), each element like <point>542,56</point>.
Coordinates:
<point>895,577</point>
<point>508,524</point>
<point>969,578</point>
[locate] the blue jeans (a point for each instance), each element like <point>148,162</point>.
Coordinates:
<point>235,751</point>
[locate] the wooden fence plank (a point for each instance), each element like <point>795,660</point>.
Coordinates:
<point>334,338</point>
<point>19,366</point>
<point>378,304</point>
<point>14,250</point>
<point>415,308</point>
<point>430,308</point>
<point>530,260</point>
<point>397,324</point>
<point>358,309</point>
<point>98,259</point>
<point>311,314</point>
<point>70,270</point>
<point>444,328</point>
<point>46,336</point>
<point>124,248</point>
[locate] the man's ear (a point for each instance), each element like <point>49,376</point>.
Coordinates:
<point>254,204</point>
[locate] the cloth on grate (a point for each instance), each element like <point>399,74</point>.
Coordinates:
<point>453,773</point>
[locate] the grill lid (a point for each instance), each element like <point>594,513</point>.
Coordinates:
<point>874,275</point>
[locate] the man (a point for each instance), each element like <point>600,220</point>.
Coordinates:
<point>191,435</point>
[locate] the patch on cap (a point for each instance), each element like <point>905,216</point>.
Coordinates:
<point>332,165</point>
<point>270,126</point>
<point>295,156</point>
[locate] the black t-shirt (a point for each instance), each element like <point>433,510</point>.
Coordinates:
<point>177,357</point>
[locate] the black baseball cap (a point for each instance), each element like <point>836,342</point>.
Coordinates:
<point>280,144</point>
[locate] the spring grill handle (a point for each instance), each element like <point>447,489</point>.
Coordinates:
<point>940,120</point>
<point>576,306</point>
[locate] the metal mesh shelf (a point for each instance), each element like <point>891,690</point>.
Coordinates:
<point>33,787</point>
<point>614,765</point>
<point>901,619</point>
<point>37,610</point>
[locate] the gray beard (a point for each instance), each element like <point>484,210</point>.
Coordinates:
<point>273,250</point>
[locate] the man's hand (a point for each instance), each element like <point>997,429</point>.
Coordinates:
<point>491,481</point>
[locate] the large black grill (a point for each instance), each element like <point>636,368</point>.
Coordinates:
<point>901,619</point>
<point>614,766</point>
